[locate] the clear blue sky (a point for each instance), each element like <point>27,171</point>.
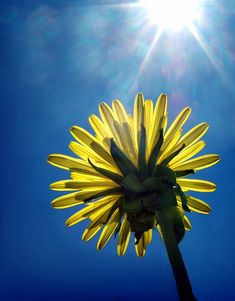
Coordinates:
<point>58,62</point>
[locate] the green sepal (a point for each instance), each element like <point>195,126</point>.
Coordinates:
<point>171,156</point>
<point>142,222</point>
<point>123,163</point>
<point>183,198</point>
<point>142,165</point>
<point>183,173</point>
<point>132,205</point>
<point>155,152</point>
<point>168,199</point>
<point>165,173</point>
<point>154,183</point>
<point>108,174</point>
<point>132,184</point>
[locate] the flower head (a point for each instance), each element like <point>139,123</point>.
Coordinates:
<point>130,169</point>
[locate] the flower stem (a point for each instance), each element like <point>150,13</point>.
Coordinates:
<point>166,223</point>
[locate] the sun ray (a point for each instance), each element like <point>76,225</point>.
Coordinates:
<point>206,48</point>
<point>149,52</point>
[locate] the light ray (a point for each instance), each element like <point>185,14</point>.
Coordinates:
<point>138,19</point>
<point>211,56</point>
<point>149,52</point>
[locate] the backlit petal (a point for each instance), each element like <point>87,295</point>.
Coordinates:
<point>124,237</point>
<point>109,229</point>
<point>95,225</point>
<point>76,185</point>
<point>67,162</point>
<point>198,163</point>
<point>196,185</point>
<point>175,127</point>
<point>85,138</point>
<point>192,136</point>
<point>99,206</point>
<point>73,199</point>
<point>157,123</point>
<point>138,116</point>
<point>198,205</point>
<point>110,121</point>
<point>66,201</point>
<point>140,248</point>
<point>187,224</point>
<point>102,133</point>
<point>187,153</point>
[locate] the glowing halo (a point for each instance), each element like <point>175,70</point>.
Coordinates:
<point>172,14</point>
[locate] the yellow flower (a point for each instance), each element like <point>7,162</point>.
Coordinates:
<point>130,169</point>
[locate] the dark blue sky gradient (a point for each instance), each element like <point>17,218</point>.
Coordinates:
<point>58,62</point>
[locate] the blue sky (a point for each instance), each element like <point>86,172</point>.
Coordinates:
<point>58,62</point>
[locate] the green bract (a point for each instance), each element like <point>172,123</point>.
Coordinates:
<point>148,189</point>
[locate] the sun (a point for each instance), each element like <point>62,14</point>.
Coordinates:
<point>172,14</point>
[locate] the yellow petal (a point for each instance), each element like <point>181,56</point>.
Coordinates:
<point>157,124</point>
<point>120,111</point>
<point>87,177</point>
<point>192,136</point>
<point>124,142</point>
<point>148,236</point>
<point>76,198</point>
<point>95,225</point>
<point>67,162</point>
<point>187,224</point>
<point>109,229</point>
<point>175,126</point>
<point>103,134</point>
<point>94,215</point>
<point>85,138</point>
<point>138,115</point>
<point>198,205</point>
<point>66,201</point>
<point>148,113</point>
<point>78,184</point>
<point>99,206</point>
<point>187,153</point>
<point>197,163</point>
<point>171,144</point>
<point>85,152</point>
<point>122,118</point>
<point>148,119</point>
<point>132,152</point>
<point>196,185</point>
<point>124,237</point>
<point>111,122</point>
<point>140,248</point>
<point>81,151</point>
<point>131,123</point>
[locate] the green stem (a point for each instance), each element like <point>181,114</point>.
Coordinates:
<point>166,223</point>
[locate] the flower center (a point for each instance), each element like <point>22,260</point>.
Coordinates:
<point>142,199</point>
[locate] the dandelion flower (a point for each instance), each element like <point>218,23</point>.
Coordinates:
<point>131,175</point>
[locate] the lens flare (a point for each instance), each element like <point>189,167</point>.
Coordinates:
<point>172,14</point>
